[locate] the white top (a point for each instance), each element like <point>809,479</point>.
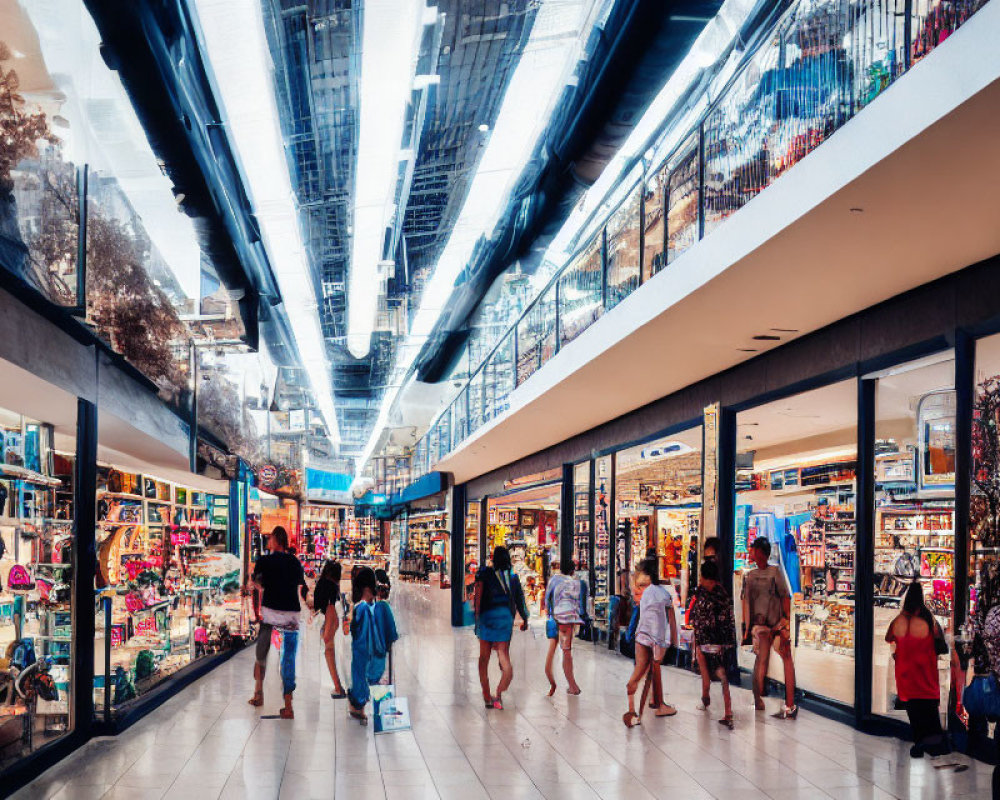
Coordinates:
<point>653,614</point>
<point>564,593</point>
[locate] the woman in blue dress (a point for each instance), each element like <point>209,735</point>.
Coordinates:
<point>498,595</point>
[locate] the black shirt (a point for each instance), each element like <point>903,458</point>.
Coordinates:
<point>281,575</point>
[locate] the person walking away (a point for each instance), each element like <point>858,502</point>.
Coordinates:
<point>280,578</point>
<point>918,642</point>
<point>767,607</point>
<point>498,595</point>
<point>326,596</point>
<point>652,637</point>
<point>385,622</point>
<point>566,601</point>
<point>366,641</point>
<point>715,635</point>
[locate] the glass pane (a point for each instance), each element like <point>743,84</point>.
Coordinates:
<point>653,258</point>
<point>794,94</point>
<point>36,634</point>
<point>658,504</point>
<point>580,292</point>
<point>581,517</point>
<point>914,508</point>
<point>623,249</point>
<point>476,402</point>
<point>933,21</point>
<point>460,418</point>
<point>877,47</point>
<point>526,521</point>
<point>500,378</point>
<point>795,488</point>
<point>602,544</point>
<point>682,199</point>
<point>472,524</point>
<point>529,345</point>
<point>984,523</point>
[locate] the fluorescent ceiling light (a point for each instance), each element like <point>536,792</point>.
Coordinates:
<point>390,42</point>
<point>558,36</point>
<point>236,49</point>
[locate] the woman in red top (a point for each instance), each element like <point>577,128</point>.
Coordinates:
<point>919,641</point>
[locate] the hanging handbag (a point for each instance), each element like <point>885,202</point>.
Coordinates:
<point>551,629</point>
<point>981,698</point>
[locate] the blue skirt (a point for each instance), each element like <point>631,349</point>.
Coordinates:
<point>495,625</point>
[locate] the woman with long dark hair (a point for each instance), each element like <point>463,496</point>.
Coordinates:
<point>498,595</point>
<point>326,596</point>
<point>919,641</point>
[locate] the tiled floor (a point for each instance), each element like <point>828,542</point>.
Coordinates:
<point>208,743</point>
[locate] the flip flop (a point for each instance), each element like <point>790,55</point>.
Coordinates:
<point>286,713</point>
<point>257,700</point>
<point>727,722</point>
<point>631,719</point>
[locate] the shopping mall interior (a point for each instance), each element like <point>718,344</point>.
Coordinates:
<point>635,364</point>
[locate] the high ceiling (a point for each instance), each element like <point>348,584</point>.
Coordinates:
<point>315,46</point>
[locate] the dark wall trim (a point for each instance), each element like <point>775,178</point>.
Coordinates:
<point>457,554</point>
<point>864,558</point>
<point>85,566</point>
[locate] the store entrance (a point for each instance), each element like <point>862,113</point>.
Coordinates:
<point>795,487</point>
<point>526,521</point>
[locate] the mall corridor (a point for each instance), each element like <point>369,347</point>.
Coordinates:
<point>207,742</point>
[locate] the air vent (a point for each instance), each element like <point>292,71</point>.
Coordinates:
<point>766,337</point>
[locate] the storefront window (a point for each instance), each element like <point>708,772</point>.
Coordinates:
<point>624,255</point>
<point>984,513</point>
<point>471,558</point>
<point>795,487</point>
<point>424,556</point>
<point>525,519</point>
<point>581,517</point>
<point>603,587</point>
<point>914,506</point>
<point>36,579</point>
<point>658,504</point>
<point>168,587</point>
<point>581,293</point>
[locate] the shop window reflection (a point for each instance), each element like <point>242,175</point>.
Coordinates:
<point>795,486</point>
<point>914,534</point>
<point>624,254</point>
<point>36,579</point>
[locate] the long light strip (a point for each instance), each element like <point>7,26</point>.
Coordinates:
<point>390,41</point>
<point>558,35</point>
<point>235,46</point>
<point>709,45</point>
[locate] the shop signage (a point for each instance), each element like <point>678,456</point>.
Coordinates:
<point>267,476</point>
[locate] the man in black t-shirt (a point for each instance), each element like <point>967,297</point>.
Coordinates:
<point>281,579</point>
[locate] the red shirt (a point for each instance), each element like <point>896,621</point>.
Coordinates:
<point>916,668</point>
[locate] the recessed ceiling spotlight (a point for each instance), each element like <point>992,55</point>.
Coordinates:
<point>857,210</point>
<point>766,337</point>
<point>483,128</point>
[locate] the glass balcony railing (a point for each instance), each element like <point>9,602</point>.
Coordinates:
<point>821,63</point>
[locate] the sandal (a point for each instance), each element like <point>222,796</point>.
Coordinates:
<point>286,713</point>
<point>257,700</point>
<point>666,710</point>
<point>358,714</point>
<point>497,704</point>
<point>338,695</point>
<point>787,713</point>
<point>489,703</point>
<point>631,719</point>
<point>706,701</point>
<point>727,721</point>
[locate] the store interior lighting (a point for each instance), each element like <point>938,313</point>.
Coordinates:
<point>233,38</point>
<point>390,42</point>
